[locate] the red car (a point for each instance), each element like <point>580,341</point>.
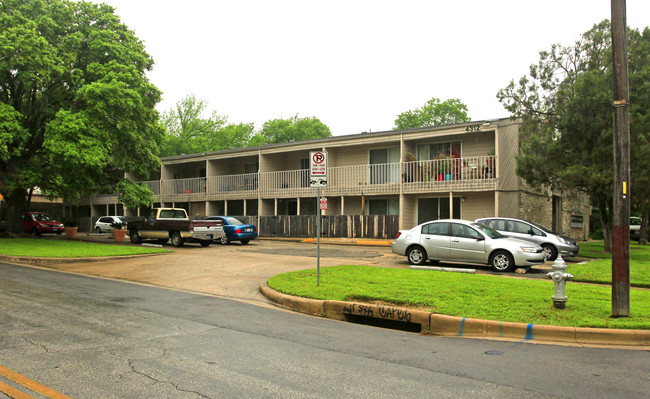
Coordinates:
<point>38,223</point>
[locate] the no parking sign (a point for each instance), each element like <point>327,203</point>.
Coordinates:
<point>318,169</point>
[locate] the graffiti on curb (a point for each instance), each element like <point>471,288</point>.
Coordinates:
<point>383,312</point>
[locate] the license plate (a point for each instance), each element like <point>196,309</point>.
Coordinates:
<point>248,230</point>
<point>209,236</point>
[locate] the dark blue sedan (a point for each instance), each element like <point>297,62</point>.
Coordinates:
<point>235,230</point>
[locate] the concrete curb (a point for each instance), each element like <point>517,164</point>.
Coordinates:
<point>32,260</point>
<point>442,325</point>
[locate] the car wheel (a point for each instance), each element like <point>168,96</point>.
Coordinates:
<point>224,240</point>
<point>417,256</point>
<point>98,230</point>
<point>502,261</point>
<point>550,252</point>
<point>205,243</point>
<point>35,231</point>
<point>244,242</point>
<point>135,236</point>
<point>177,240</point>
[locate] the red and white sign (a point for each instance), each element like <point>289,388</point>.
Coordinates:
<point>323,204</point>
<point>318,169</point>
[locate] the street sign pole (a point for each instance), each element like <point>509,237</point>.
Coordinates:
<point>318,242</point>
<point>318,178</point>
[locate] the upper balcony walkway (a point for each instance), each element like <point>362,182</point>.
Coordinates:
<point>440,175</point>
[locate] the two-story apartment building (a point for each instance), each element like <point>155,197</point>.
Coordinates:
<point>463,171</point>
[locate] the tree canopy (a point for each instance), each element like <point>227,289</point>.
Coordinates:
<point>77,111</point>
<point>189,132</point>
<point>565,104</point>
<point>433,113</point>
<point>293,129</point>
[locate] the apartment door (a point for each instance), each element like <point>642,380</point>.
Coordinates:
<point>437,208</point>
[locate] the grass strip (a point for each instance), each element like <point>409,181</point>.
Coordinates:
<point>599,270</point>
<point>467,295</point>
<point>40,247</point>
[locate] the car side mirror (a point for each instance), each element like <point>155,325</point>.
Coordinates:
<point>531,232</point>
<point>480,238</point>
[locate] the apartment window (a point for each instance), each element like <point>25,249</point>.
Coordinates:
<point>384,165</point>
<point>428,152</point>
<point>386,206</point>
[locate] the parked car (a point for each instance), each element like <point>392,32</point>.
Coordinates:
<point>553,243</point>
<point>38,223</point>
<point>106,223</point>
<point>163,224</point>
<point>235,230</point>
<point>635,228</point>
<point>465,241</point>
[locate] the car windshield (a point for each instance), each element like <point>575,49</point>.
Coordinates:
<point>233,220</point>
<point>487,230</point>
<point>42,217</point>
<point>543,228</point>
<point>635,221</point>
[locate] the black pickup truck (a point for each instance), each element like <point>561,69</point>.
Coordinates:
<point>164,224</point>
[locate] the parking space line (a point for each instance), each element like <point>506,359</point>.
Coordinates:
<point>27,383</point>
<point>13,392</point>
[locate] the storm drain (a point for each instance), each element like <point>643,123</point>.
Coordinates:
<point>383,323</point>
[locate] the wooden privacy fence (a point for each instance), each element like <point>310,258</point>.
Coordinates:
<point>347,226</point>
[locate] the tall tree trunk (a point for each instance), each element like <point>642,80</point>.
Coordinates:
<point>643,231</point>
<point>606,223</point>
<point>16,205</point>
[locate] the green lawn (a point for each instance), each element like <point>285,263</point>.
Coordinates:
<point>485,297</point>
<point>599,270</point>
<point>40,247</point>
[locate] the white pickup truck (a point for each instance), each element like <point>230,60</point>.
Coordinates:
<point>164,224</point>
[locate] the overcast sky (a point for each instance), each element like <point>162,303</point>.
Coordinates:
<point>355,65</point>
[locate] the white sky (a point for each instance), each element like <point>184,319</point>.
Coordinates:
<point>354,64</point>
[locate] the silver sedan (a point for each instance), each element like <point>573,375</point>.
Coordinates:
<point>465,241</point>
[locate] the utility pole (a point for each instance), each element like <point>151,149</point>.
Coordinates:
<point>621,211</point>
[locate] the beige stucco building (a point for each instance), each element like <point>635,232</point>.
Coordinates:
<point>465,171</point>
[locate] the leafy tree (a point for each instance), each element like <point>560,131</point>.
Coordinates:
<point>187,131</point>
<point>293,129</point>
<point>565,107</point>
<point>639,62</point>
<point>433,113</point>
<point>77,111</point>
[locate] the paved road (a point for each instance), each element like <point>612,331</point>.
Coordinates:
<point>99,338</point>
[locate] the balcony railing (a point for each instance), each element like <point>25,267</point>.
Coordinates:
<point>233,186</point>
<point>440,175</point>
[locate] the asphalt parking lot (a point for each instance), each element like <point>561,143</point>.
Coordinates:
<point>236,270</point>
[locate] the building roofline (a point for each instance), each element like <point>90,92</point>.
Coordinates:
<point>329,139</point>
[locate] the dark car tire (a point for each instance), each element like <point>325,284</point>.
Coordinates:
<point>244,242</point>
<point>177,240</point>
<point>98,230</point>
<point>205,243</point>
<point>134,236</point>
<point>550,252</point>
<point>224,240</point>
<point>417,255</point>
<point>502,261</point>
